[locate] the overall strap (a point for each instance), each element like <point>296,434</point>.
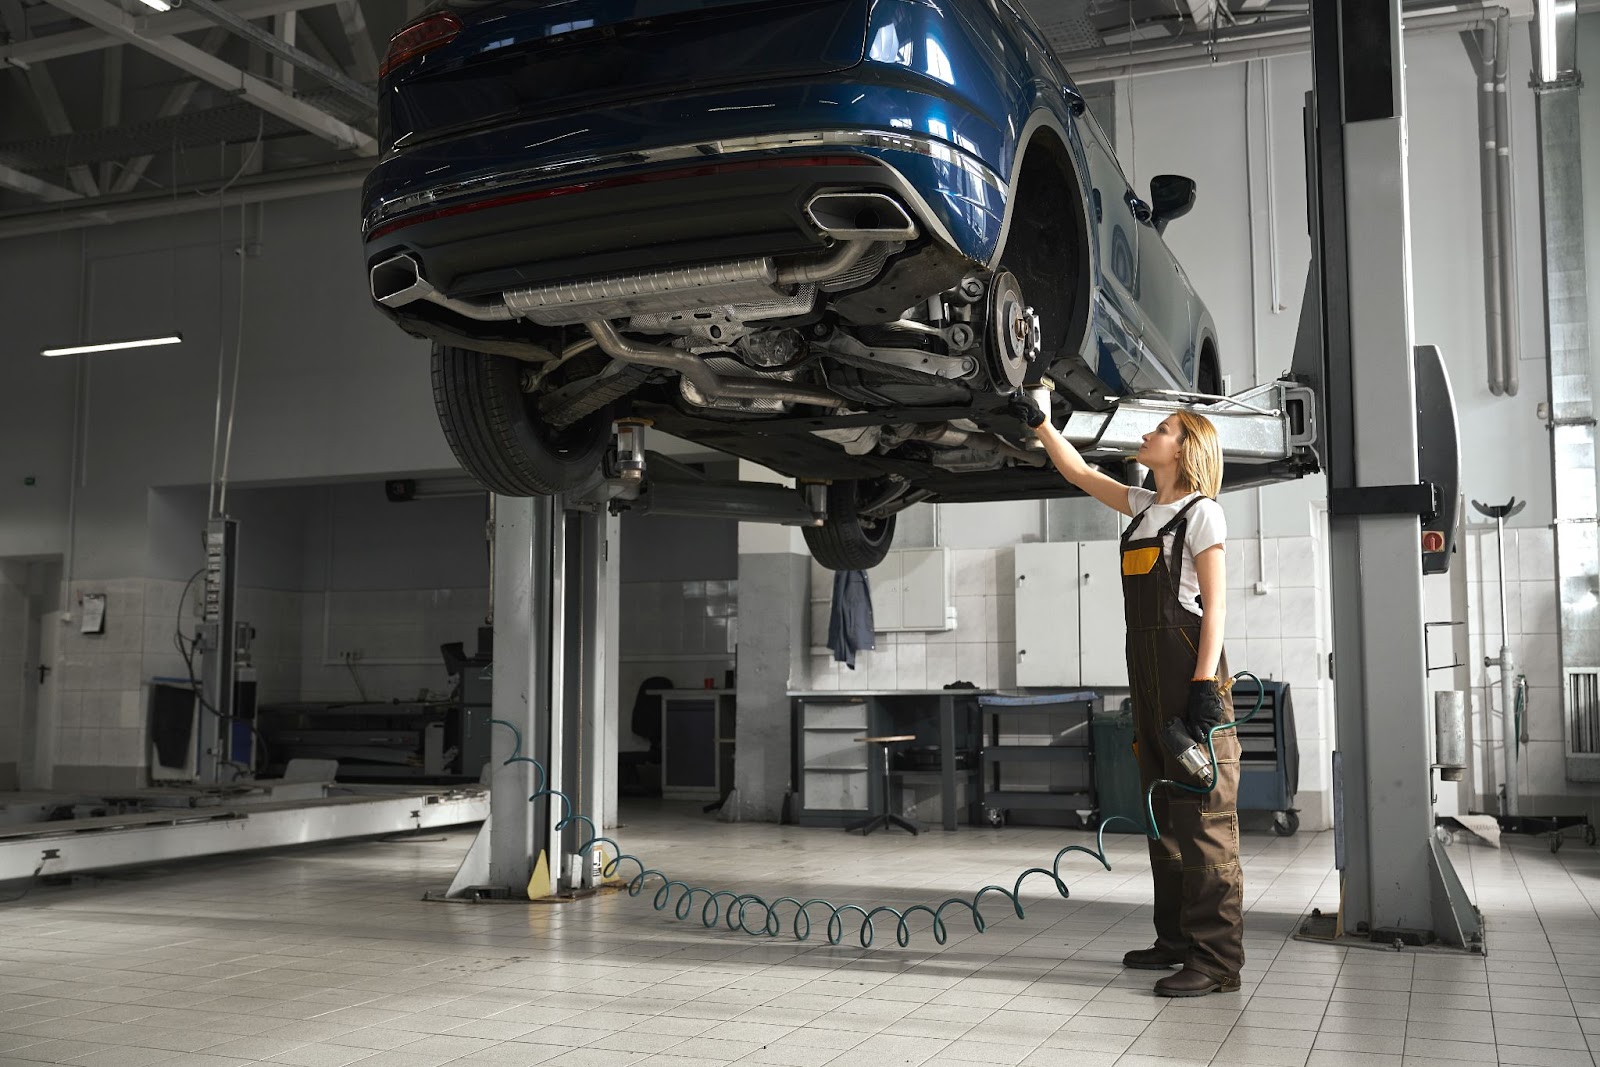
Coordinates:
<point>1134,525</point>
<point>1180,516</point>
<point>1179,528</point>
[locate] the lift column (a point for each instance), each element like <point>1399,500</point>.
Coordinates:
<point>1394,884</point>
<point>524,533</point>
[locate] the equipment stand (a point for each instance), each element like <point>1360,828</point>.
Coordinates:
<point>885,818</point>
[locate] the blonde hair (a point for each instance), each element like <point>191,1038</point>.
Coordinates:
<point>1199,455</point>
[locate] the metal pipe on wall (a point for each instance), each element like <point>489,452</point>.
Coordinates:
<point>1108,65</point>
<point>1483,46</point>
<point>1505,211</point>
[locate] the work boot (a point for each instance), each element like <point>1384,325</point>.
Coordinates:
<point>1192,983</point>
<point>1154,958</point>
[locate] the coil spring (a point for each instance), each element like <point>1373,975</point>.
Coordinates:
<point>752,914</point>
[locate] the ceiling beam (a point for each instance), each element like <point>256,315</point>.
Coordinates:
<point>286,51</point>
<point>17,181</point>
<point>360,38</point>
<point>177,100</point>
<point>45,97</point>
<point>105,15</point>
<point>77,42</point>
<point>110,104</point>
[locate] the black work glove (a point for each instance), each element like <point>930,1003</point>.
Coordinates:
<point>1023,407</point>
<point>1205,709</point>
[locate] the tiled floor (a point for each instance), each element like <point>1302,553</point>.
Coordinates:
<point>327,957</point>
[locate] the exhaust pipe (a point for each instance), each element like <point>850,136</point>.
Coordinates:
<point>398,281</point>
<point>702,377</point>
<point>861,217</point>
<point>856,222</point>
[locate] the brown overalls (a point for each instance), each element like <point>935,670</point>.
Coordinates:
<point>1199,887</point>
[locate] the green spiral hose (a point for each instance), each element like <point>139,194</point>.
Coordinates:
<point>758,917</point>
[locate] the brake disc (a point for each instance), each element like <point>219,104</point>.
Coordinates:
<point>1013,329</point>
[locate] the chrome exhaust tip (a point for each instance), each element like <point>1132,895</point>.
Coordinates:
<point>398,281</point>
<point>861,217</point>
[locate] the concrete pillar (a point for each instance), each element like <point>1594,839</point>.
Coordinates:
<point>774,625</point>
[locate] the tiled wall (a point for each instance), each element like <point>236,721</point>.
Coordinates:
<point>686,631</point>
<point>982,648</point>
<point>1532,622</point>
<point>395,634</point>
<point>1275,634</point>
<point>100,682</point>
<point>102,679</point>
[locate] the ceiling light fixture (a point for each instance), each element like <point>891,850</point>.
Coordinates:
<point>114,346</point>
<point>157,5</point>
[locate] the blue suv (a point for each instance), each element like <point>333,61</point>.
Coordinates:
<point>835,237</point>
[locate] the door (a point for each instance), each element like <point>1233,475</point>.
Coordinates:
<point>1117,319</point>
<point>1047,614</point>
<point>40,713</point>
<point>1167,332</point>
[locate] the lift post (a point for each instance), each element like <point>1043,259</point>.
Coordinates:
<point>556,587</point>
<point>1399,886</point>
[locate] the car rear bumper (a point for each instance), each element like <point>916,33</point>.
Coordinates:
<point>481,217</point>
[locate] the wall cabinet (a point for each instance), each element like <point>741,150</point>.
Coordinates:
<point>1070,629</point>
<point>911,590</point>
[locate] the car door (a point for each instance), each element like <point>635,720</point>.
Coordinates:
<point>1118,323</point>
<point>1162,292</point>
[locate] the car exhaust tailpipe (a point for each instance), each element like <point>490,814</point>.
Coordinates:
<point>398,281</point>
<point>702,377</point>
<point>861,217</point>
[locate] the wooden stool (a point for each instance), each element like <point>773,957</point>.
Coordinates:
<point>885,818</point>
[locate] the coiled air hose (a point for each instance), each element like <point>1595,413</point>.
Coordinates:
<point>758,917</point>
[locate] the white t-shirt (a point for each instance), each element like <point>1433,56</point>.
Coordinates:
<point>1208,527</point>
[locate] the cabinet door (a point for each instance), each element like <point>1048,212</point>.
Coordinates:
<point>888,593</point>
<point>1047,614</point>
<point>923,581</point>
<point>1102,626</point>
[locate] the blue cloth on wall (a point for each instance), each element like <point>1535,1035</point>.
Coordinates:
<point>850,622</point>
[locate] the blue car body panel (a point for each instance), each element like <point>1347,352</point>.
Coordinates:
<point>964,85</point>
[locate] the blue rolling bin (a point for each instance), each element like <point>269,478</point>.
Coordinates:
<point>1269,768</point>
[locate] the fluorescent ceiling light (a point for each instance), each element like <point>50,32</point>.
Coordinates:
<point>159,5</point>
<point>113,346</point>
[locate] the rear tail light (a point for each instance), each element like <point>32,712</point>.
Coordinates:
<point>421,36</point>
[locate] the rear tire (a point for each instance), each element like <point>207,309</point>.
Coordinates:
<point>847,542</point>
<point>496,434</point>
<point>1208,376</point>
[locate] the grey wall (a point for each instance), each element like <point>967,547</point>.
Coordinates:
<point>328,388</point>
<point>356,540</point>
<point>1238,239</point>
<point>663,548</point>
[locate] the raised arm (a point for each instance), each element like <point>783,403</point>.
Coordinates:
<point>1104,488</point>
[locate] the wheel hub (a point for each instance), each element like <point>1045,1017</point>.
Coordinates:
<point>1014,339</point>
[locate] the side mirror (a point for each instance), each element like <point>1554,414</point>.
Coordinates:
<point>1172,196</point>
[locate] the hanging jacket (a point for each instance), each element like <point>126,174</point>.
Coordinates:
<point>850,622</point>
